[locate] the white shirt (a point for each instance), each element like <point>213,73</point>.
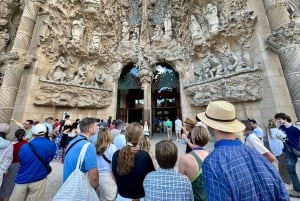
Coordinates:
<point>120,141</point>
<point>178,124</point>
<point>276,145</point>
<point>255,143</point>
<point>102,164</point>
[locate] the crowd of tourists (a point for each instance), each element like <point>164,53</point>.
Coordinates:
<point>113,160</point>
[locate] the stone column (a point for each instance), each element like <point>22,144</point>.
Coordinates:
<point>15,62</point>
<point>146,76</point>
<point>285,40</point>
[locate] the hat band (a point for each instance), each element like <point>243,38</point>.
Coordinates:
<point>221,120</point>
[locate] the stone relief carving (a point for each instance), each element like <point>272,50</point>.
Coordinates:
<point>231,89</point>
<point>78,27</point>
<point>211,16</point>
<point>56,94</point>
<point>58,70</point>
<point>115,30</point>
<point>4,39</point>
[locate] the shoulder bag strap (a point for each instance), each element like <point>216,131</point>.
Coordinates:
<point>106,159</point>
<point>68,149</point>
<point>81,155</point>
<point>38,156</point>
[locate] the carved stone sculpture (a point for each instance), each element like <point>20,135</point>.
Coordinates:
<point>212,18</point>
<point>231,89</point>
<point>4,39</point>
<point>95,41</point>
<point>196,31</point>
<point>58,70</point>
<point>167,26</point>
<point>78,27</point>
<point>57,94</point>
<point>125,31</point>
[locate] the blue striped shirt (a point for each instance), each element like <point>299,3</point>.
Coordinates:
<point>234,171</point>
<point>166,184</point>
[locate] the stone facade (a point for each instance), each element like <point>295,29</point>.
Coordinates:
<point>58,56</point>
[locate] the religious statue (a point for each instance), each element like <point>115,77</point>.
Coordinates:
<point>78,31</point>
<point>4,39</point>
<point>95,41</point>
<point>99,79</point>
<point>168,26</point>
<point>80,75</point>
<point>125,31</point>
<point>216,65</point>
<point>4,12</point>
<point>58,70</point>
<point>196,31</point>
<point>211,16</point>
<point>157,33</point>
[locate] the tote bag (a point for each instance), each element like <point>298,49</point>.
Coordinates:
<point>77,187</point>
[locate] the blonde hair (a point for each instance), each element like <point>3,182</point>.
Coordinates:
<point>125,161</point>
<point>200,135</point>
<point>103,141</point>
<point>145,145</point>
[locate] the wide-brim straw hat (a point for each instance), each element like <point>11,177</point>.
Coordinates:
<point>220,115</point>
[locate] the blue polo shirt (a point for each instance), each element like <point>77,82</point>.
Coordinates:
<point>31,169</point>
<point>89,161</point>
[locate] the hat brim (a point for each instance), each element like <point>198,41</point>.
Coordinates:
<point>189,124</point>
<point>234,126</point>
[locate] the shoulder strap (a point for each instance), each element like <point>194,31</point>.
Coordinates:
<point>106,159</point>
<point>68,149</point>
<point>199,161</point>
<point>37,155</point>
<point>81,155</point>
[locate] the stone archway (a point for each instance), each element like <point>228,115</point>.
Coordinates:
<point>144,94</point>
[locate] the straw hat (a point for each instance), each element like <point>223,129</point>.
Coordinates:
<point>190,121</point>
<point>220,115</point>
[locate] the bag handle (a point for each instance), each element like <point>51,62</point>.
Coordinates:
<point>81,155</point>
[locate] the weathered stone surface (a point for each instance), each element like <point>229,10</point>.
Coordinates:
<point>71,95</point>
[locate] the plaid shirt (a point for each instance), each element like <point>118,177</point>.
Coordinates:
<point>166,184</point>
<point>234,171</point>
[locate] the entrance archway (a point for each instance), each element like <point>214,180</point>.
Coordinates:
<point>165,97</point>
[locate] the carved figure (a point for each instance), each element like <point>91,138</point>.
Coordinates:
<point>57,71</point>
<point>4,38</point>
<point>196,31</point>
<point>4,12</point>
<point>216,65</point>
<point>90,72</point>
<point>78,31</point>
<point>95,41</point>
<point>157,33</point>
<point>211,16</point>
<point>136,34</point>
<point>168,26</point>
<point>125,31</point>
<point>99,79</point>
<point>199,73</point>
<point>80,75</point>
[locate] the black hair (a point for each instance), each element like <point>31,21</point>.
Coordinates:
<point>19,134</point>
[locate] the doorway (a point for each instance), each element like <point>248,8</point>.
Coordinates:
<point>164,94</point>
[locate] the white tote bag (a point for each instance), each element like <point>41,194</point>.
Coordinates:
<point>77,187</point>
